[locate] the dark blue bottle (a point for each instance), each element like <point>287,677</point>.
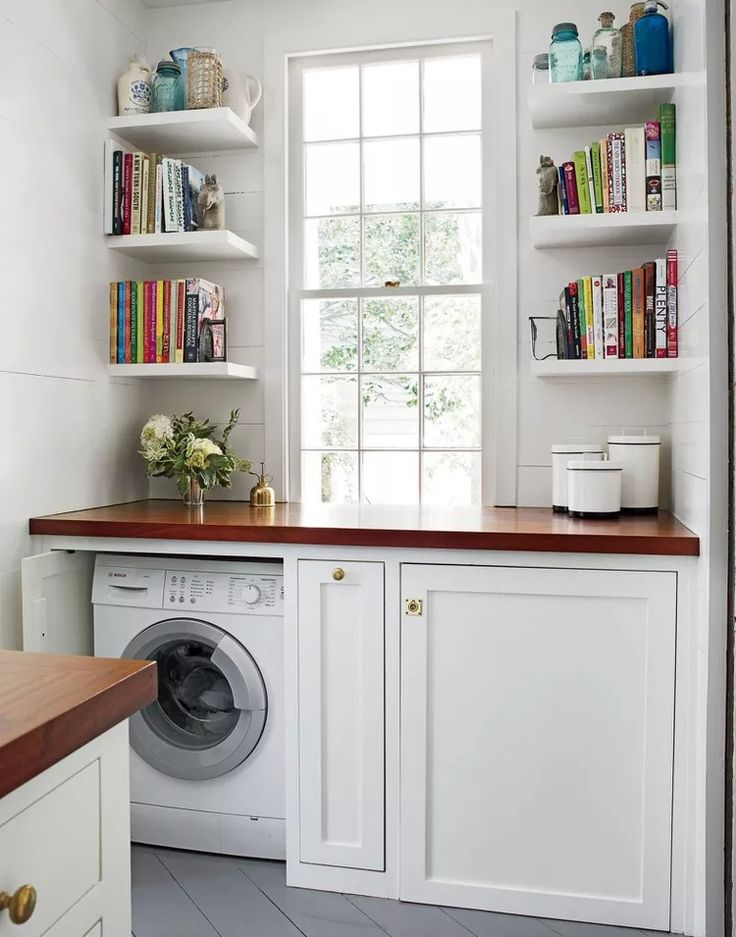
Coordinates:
<point>652,41</point>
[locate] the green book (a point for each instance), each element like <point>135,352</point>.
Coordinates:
<point>628,317</point>
<point>133,323</point>
<point>581,176</point>
<point>595,158</point>
<point>668,137</point>
<point>139,330</point>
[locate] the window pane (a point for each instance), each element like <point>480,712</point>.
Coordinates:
<point>330,477</point>
<point>390,334</point>
<point>390,411</point>
<point>391,477</point>
<point>451,478</point>
<point>391,171</point>
<point>390,98</point>
<point>330,412</point>
<point>452,176</point>
<point>391,246</point>
<point>332,253</point>
<point>452,335</point>
<point>330,335</point>
<point>332,178</point>
<point>452,93</point>
<point>452,411</point>
<point>331,98</point>
<point>452,248</point>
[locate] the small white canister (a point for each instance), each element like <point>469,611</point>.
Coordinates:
<point>639,456</point>
<point>594,489</point>
<point>561,455</point>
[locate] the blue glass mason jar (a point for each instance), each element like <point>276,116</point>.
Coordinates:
<point>565,54</point>
<point>168,88</point>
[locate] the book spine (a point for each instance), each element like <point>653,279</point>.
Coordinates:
<point>660,307</point>
<point>181,288</point>
<point>145,186</point>
<point>117,192</point>
<point>595,159</point>
<point>127,190</point>
<point>113,323</point>
<point>121,323</point>
<point>628,312</point>
<point>650,339</point>
<point>151,214</point>
<point>135,197</point>
<point>187,197</point>
<point>585,301</point>
<point>605,175</point>
<point>151,322</point>
<point>126,339</point>
<point>610,315</point>
<point>159,200</point>
<point>159,321</point>
<point>146,322</point>
<point>133,322</point>
<point>671,303</point>
<point>617,172</point>
<point>140,352</point>
<point>668,134</point>
<point>596,287</point>
<point>591,181</point>
<point>566,309</point>
<point>581,177</point>
<point>170,220</point>
<point>579,309</point>
<point>653,165</point>
<point>621,283</point>
<point>574,313</point>
<point>179,192</point>
<point>635,169</point>
<point>166,334</point>
<point>190,321</point>
<point>638,303</point>
<point>561,191</point>
<point>571,188</point>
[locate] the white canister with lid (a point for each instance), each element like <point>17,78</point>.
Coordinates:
<point>594,489</point>
<point>561,455</point>
<point>639,456</point>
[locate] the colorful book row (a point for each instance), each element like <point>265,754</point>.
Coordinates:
<point>633,170</point>
<point>621,315</point>
<point>161,321</point>
<point>150,193</point>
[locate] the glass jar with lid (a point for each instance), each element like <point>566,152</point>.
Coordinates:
<point>168,88</point>
<point>540,69</point>
<point>606,50</point>
<point>565,54</point>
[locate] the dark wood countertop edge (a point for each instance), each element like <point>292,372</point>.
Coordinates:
<point>513,541</point>
<point>30,753</point>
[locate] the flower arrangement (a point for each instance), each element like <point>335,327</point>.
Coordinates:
<point>188,449</point>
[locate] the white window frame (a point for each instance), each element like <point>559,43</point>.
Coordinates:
<point>498,379</point>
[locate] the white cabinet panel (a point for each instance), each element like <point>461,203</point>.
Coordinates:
<point>537,741</point>
<point>57,612</point>
<point>341,714</point>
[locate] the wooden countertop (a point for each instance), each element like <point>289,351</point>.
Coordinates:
<point>528,529</point>
<point>51,705</point>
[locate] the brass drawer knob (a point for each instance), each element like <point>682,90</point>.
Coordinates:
<point>338,574</point>
<point>21,904</point>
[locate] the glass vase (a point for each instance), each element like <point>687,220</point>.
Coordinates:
<point>194,495</point>
<point>566,54</point>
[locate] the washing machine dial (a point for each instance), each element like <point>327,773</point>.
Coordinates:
<point>251,594</point>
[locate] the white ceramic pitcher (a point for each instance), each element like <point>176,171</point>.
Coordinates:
<point>241,93</point>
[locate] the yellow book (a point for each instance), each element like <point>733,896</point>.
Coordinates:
<point>159,321</point>
<point>589,323</point>
<point>113,323</point>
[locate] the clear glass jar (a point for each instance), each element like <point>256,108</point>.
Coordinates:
<point>586,65</point>
<point>168,88</point>
<point>540,69</point>
<point>607,48</point>
<point>565,54</point>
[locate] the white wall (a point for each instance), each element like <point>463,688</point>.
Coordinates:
<point>68,433</point>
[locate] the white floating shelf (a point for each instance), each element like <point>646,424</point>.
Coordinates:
<point>185,247</point>
<point>608,230</point>
<point>608,367</point>
<point>176,133</point>
<point>610,102</point>
<point>215,370</point>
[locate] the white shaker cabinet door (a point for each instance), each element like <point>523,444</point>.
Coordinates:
<point>341,714</point>
<point>537,714</point>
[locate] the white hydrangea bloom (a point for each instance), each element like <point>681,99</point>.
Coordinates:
<point>158,428</point>
<point>206,447</point>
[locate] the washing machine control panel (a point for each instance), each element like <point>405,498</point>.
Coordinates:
<point>251,593</point>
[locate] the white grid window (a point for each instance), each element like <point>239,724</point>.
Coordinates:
<point>387,155</point>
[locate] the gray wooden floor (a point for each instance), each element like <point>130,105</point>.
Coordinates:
<point>185,894</point>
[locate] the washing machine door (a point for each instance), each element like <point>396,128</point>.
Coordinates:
<point>212,705</point>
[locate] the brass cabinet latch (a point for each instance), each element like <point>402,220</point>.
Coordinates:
<point>413,607</point>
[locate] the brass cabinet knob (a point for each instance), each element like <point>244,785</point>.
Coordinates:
<point>21,904</point>
<point>338,574</point>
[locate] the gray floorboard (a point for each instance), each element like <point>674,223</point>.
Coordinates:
<point>493,924</point>
<point>229,899</point>
<point>315,913</point>
<point>160,906</point>
<point>402,919</point>
<point>580,929</point>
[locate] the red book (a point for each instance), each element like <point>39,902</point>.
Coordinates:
<point>182,287</point>
<point>127,190</point>
<point>146,322</point>
<point>672,304</point>
<point>621,317</point>
<point>571,188</point>
<point>126,345</point>
<point>166,345</point>
<point>152,321</point>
